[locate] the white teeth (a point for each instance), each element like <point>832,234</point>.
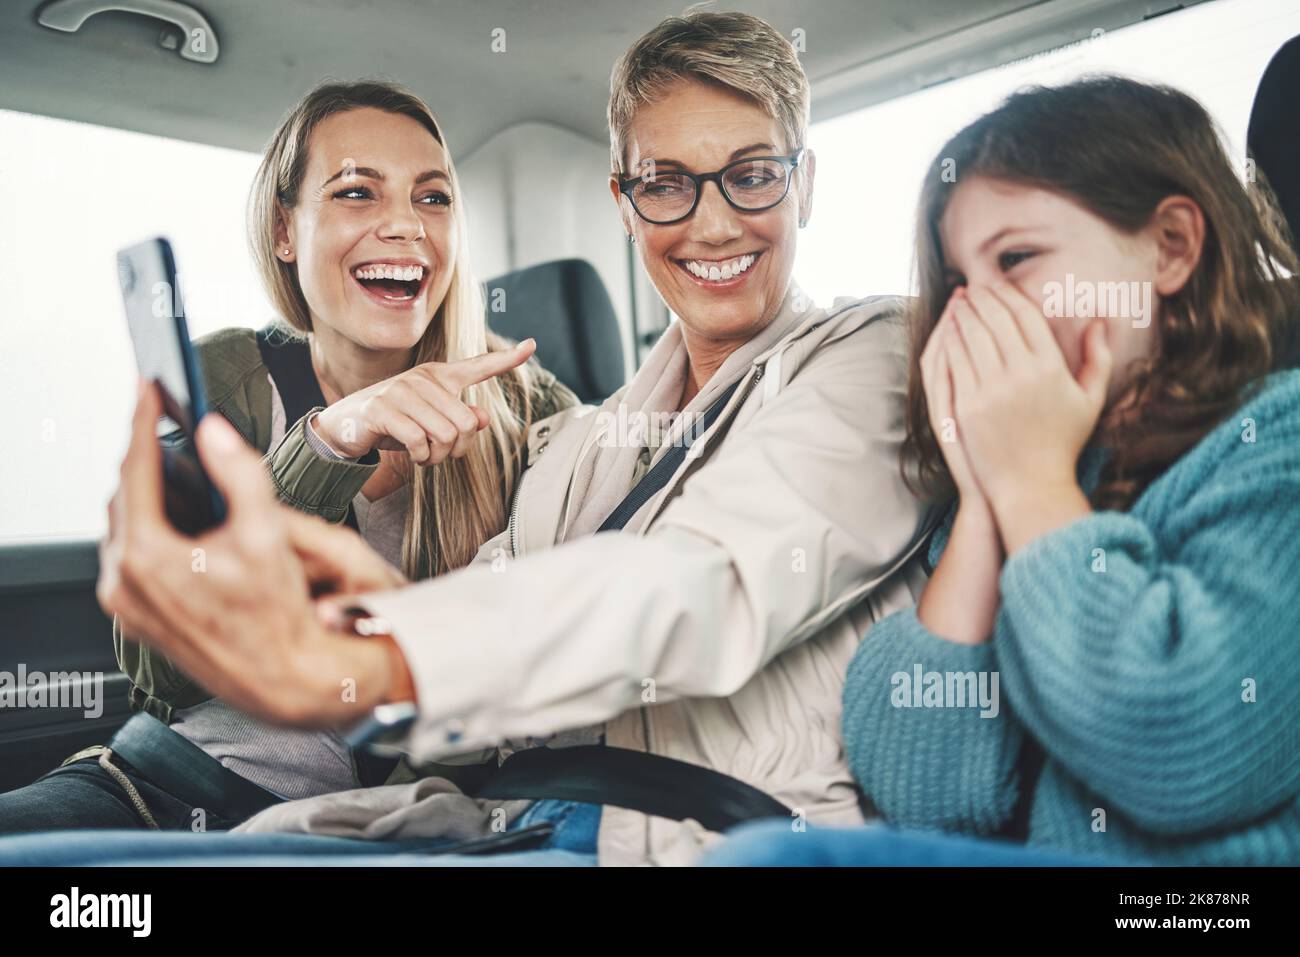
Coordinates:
<point>389,271</point>
<point>719,271</point>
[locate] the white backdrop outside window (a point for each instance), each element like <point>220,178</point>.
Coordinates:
<point>870,163</point>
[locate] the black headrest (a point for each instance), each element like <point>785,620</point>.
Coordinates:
<point>1274,134</point>
<point>1273,140</point>
<point>564,306</point>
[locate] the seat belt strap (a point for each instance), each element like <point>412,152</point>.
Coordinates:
<point>663,471</point>
<point>182,768</point>
<point>649,783</point>
<point>288,360</point>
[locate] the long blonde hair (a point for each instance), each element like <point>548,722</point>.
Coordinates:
<point>459,503</point>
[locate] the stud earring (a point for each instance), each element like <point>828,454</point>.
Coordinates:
<point>802,223</point>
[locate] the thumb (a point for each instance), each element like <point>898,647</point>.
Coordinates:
<point>234,468</point>
<point>1094,376</point>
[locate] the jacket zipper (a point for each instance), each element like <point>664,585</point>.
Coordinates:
<point>758,375</point>
<point>514,509</point>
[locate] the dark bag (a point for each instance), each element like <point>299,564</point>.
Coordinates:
<point>288,360</point>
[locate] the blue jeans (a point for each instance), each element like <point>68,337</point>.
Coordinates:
<point>573,843</point>
<point>774,844</point>
<point>82,795</point>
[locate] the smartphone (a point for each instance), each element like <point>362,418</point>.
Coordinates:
<point>155,315</point>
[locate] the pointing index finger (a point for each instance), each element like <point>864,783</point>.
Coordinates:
<point>466,372</point>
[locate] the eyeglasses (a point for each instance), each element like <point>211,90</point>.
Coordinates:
<point>750,185</point>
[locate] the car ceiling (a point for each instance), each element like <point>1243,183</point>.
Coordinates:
<point>555,67</point>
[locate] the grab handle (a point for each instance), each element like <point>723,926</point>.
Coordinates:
<point>197,40</point>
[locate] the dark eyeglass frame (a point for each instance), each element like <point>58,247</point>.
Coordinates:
<point>790,162</point>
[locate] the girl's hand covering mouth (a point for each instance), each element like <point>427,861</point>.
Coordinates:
<point>1023,417</point>
<point>936,378</point>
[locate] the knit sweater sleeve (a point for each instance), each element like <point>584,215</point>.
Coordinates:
<point>1153,653</point>
<point>928,766</point>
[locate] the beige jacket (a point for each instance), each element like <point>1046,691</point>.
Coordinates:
<point>716,629</point>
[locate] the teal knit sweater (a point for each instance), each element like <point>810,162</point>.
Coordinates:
<point>1160,675</point>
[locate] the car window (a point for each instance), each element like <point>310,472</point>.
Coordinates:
<point>71,195</point>
<point>870,162</point>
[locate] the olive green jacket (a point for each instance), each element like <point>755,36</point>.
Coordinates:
<point>238,387</point>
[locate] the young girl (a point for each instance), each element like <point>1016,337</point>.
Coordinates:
<point>356,225</point>
<point>1104,661</point>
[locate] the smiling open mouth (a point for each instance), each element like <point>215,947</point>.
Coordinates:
<point>719,272</point>
<point>390,282</point>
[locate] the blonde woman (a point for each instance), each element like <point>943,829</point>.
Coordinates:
<point>412,432</point>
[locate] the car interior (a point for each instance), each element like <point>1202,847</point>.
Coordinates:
<point>554,262</point>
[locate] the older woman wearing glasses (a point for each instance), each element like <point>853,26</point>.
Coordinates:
<point>671,611</point>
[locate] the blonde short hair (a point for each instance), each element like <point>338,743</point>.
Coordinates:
<point>735,51</point>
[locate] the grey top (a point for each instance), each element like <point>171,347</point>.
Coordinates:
<point>290,763</point>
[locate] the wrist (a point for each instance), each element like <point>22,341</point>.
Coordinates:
<point>316,438</point>
<point>327,427</point>
<point>1014,490</point>
<point>340,678</point>
<point>367,672</point>
<point>400,683</point>
<point>975,512</point>
<point>395,682</point>
<point>1036,510</point>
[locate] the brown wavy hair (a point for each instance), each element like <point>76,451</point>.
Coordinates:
<point>457,504</point>
<point>1118,147</point>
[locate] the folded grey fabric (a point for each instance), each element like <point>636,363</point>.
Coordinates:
<point>429,807</point>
